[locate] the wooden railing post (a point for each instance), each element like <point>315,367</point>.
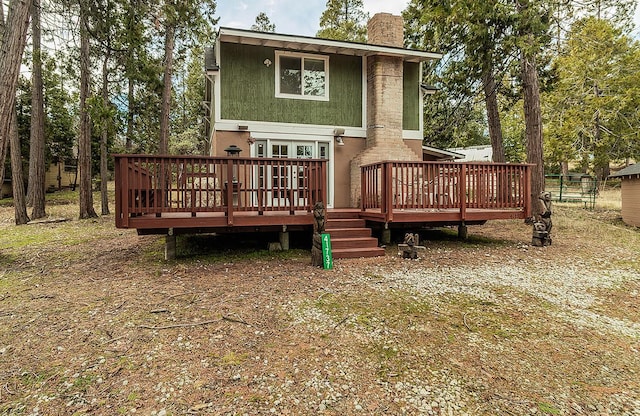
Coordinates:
<point>463,191</point>
<point>324,189</point>
<point>122,201</point>
<point>364,193</point>
<point>527,193</point>
<point>388,194</point>
<point>229,191</point>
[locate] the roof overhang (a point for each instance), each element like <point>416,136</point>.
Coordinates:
<point>441,153</point>
<point>630,171</point>
<point>317,45</point>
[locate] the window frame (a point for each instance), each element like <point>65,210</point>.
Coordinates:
<point>302,56</point>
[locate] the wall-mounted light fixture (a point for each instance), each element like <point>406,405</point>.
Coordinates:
<point>337,135</point>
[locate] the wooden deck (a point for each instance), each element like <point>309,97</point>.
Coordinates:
<point>229,194</point>
<point>442,193</point>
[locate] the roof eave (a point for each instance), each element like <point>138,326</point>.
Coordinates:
<point>310,44</point>
<point>441,152</point>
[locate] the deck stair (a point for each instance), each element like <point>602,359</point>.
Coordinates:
<point>350,237</point>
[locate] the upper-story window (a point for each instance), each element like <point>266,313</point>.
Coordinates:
<point>302,76</point>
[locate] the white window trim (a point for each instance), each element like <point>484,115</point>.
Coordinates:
<point>324,58</point>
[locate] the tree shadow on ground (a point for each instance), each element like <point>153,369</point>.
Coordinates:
<point>238,245</point>
<point>449,236</point>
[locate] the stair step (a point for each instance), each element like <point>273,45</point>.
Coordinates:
<point>347,253</point>
<point>359,242</point>
<point>345,223</point>
<point>343,214</point>
<point>348,232</point>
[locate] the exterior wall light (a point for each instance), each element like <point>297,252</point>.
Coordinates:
<point>337,135</point>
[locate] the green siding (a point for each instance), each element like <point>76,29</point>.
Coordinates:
<point>248,90</point>
<point>411,97</point>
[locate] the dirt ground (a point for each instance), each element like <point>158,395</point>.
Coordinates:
<point>94,321</point>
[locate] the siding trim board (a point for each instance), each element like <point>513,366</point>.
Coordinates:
<point>294,128</point>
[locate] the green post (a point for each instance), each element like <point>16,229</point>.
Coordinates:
<point>327,256</point>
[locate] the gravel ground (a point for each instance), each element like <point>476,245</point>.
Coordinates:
<point>569,288</point>
<point>98,324</point>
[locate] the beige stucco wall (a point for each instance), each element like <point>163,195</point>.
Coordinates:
<point>342,174</point>
<point>631,201</point>
<point>224,139</point>
<point>416,146</point>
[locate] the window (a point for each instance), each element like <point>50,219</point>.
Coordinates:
<point>302,76</point>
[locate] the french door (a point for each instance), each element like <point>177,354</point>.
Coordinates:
<point>286,184</point>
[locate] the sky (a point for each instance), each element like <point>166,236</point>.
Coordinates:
<point>293,17</point>
<point>301,17</point>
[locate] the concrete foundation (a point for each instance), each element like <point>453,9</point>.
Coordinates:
<point>170,246</point>
<point>283,237</point>
<point>462,232</point>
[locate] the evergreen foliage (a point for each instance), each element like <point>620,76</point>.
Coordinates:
<point>263,23</point>
<point>344,20</point>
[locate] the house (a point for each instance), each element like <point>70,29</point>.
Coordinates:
<point>296,120</point>
<point>58,175</point>
<point>630,192</point>
<point>277,95</point>
<point>481,153</point>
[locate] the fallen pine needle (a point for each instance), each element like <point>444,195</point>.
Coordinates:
<point>239,321</point>
<point>178,325</point>
<point>113,340</point>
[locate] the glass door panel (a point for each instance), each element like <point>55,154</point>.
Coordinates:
<point>279,182</point>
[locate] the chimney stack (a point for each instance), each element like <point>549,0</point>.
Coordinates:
<point>384,101</point>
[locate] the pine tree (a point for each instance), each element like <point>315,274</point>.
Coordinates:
<point>263,24</point>
<point>344,20</point>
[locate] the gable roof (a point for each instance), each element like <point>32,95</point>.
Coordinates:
<point>628,171</point>
<point>310,44</point>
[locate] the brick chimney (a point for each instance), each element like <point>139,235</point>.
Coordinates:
<point>384,101</point>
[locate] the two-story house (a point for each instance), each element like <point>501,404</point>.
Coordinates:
<point>276,95</point>
<point>293,121</point>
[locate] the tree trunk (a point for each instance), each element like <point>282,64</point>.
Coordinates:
<point>601,156</point>
<point>37,168</point>
<point>84,140</point>
<point>533,127</point>
<point>3,157</point>
<point>4,144</point>
<point>130,99</point>
<point>169,42</point>
<point>104,169</point>
<point>493,115</point>
<point>17,180</point>
<point>12,43</point>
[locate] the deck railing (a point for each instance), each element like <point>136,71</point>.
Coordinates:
<point>157,185</point>
<point>391,186</point>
